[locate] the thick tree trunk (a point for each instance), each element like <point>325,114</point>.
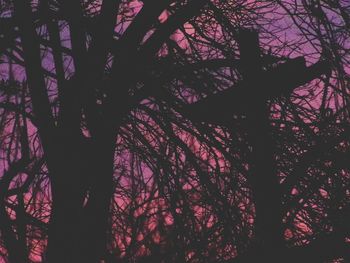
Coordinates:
<point>81,172</point>
<point>67,185</point>
<point>96,211</point>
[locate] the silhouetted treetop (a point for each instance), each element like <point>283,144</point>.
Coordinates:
<point>174,131</point>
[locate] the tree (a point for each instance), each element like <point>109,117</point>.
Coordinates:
<point>119,142</point>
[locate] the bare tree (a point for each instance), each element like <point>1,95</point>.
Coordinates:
<point>174,131</point>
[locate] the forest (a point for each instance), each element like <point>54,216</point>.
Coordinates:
<point>174,131</point>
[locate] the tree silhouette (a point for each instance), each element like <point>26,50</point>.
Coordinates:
<point>174,131</point>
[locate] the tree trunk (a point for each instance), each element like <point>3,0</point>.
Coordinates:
<point>67,186</point>
<point>97,207</point>
<point>81,171</point>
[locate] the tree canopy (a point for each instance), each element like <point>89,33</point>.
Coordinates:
<point>174,131</point>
